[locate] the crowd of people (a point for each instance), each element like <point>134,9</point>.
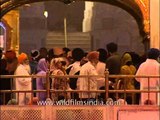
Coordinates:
<point>63,61</point>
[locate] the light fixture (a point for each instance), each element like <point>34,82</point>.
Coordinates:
<point>46,14</point>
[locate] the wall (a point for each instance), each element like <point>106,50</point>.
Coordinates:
<point>113,24</point>
<point>108,24</point>
<point>33,27</point>
<point>74,14</point>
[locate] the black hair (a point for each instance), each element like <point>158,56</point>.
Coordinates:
<point>1,51</point>
<point>43,52</point>
<point>66,50</point>
<point>77,54</point>
<point>153,53</point>
<point>50,54</point>
<point>102,54</point>
<point>112,47</point>
<point>43,49</point>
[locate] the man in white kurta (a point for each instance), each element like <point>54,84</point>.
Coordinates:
<point>150,67</point>
<point>22,84</point>
<point>19,83</point>
<point>89,83</point>
<point>85,83</point>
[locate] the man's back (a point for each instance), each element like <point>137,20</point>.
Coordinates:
<point>113,64</point>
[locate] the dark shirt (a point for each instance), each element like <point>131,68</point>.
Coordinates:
<point>5,83</point>
<point>113,64</point>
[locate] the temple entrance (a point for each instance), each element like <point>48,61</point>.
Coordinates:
<point>134,12</point>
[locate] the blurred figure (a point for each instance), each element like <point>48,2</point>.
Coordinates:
<point>5,83</point>
<point>127,68</point>
<point>65,51</point>
<point>149,67</point>
<point>70,58</point>
<point>101,66</point>
<point>34,61</point>
<point>33,65</point>
<point>58,52</point>
<point>42,68</point>
<point>50,54</point>
<point>136,59</point>
<point>67,54</point>
<point>23,59</point>
<point>85,83</point>
<point>43,52</point>
<point>19,83</point>
<point>113,62</point>
<point>74,69</point>
<point>59,83</point>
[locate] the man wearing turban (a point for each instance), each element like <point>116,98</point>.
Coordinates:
<point>13,66</point>
<point>85,83</point>
<point>23,59</point>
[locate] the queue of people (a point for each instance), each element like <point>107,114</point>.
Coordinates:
<point>64,61</point>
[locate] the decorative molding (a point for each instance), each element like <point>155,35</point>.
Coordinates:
<point>144,6</point>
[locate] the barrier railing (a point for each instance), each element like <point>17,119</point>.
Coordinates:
<point>106,91</point>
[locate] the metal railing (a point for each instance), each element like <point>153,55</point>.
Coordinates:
<point>106,91</point>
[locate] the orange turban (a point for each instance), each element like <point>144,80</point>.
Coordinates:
<point>22,57</point>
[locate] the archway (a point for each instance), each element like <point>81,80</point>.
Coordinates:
<point>129,5</point>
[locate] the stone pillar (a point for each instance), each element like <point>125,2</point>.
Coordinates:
<point>155,23</point>
<point>33,29</point>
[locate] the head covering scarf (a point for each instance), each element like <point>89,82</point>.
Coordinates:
<point>42,65</point>
<point>35,54</point>
<point>126,58</point>
<point>54,62</point>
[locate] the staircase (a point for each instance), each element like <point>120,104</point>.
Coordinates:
<point>74,40</point>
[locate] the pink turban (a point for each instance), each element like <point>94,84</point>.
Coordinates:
<point>93,55</point>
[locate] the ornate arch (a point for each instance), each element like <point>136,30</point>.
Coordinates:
<point>8,33</point>
<point>130,6</point>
